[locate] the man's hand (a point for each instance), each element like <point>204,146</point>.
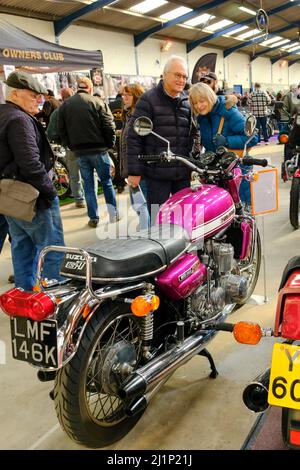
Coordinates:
<point>134,181</point>
<point>219,140</point>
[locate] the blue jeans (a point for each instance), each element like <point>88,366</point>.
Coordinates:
<point>101,163</point>
<point>245,192</point>
<point>262,124</point>
<point>3,230</point>
<point>75,178</point>
<point>29,238</point>
<point>139,204</point>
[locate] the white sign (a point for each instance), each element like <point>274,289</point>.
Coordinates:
<point>7,69</point>
<point>264,192</point>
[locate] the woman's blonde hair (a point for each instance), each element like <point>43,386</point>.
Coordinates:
<point>199,92</point>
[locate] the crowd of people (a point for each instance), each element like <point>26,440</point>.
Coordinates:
<point>188,117</point>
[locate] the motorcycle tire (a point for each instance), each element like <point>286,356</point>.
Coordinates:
<point>61,178</point>
<point>86,403</point>
<point>288,417</point>
<point>254,273</point>
<point>295,203</point>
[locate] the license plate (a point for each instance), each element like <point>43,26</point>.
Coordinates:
<point>284,388</point>
<point>34,341</point>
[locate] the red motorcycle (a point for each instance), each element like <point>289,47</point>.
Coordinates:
<point>279,385</point>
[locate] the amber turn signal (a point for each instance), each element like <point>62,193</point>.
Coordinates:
<point>247,333</point>
<point>143,305</point>
<point>283,138</point>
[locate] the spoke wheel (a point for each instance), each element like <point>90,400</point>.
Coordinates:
<point>85,391</point>
<point>252,272</point>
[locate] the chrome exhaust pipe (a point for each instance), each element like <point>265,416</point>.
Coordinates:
<point>146,378</point>
<point>255,395</point>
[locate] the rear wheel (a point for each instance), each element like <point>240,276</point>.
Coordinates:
<point>295,203</point>
<point>250,270</point>
<point>85,392</point>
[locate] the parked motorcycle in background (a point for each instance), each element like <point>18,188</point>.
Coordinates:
<point>279,385</point>
<point>133,310</point>
<point>291,169</point>
<point>61,177</point>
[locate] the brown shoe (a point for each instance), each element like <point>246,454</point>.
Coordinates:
<point>93,223</point>
<point>11,279</point>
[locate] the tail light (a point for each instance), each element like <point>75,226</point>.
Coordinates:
<point>18,303</point>
<point>291,317</point>
<point>287,323</point>
<point>283,138</point>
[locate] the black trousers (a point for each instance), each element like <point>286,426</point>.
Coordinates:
<point>159,191</point>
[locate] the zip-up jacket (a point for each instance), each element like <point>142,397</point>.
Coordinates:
<point>25,152</point>
<point>86,124</point>
<point>172,120</point>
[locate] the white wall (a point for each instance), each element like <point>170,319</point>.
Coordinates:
<point>120,56</point>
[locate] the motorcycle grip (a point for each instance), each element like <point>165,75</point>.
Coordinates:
<point>255,161</point>
<point>150,158</point>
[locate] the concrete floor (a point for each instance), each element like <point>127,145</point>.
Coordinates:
<point>191,411</point>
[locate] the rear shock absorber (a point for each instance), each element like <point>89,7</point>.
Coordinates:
<point>147,333</point>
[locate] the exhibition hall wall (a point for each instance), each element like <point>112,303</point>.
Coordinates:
<point>120,56</point>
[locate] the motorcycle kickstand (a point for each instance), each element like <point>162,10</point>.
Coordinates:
<point>214,373</point>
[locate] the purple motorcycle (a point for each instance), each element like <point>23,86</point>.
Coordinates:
<point>133,310</point>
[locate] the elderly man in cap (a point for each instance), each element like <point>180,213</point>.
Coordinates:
<point>25,154</point>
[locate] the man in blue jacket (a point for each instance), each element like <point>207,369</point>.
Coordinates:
<point>25,154</point>
<point>168,108</point>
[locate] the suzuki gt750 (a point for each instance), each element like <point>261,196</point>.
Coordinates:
<point>134,309</point>
<point>280,384</point>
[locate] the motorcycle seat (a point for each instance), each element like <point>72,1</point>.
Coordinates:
<point>293,264</point>
<point>125,259</point>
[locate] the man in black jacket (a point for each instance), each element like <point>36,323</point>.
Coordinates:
<point>25,154</point>
<point>86,126</point>
<point>168,108</point>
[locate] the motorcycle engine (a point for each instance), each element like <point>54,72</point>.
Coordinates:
<point>235,287</point>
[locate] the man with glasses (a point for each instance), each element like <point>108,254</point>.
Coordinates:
<point>211,80</point>
<point>168,108</point>
<point>25,154</point>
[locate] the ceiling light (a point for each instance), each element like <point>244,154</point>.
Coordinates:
<point>171,15</point>
<point>284,41</point>
<point>199,19</point>
<point>147,5</point>
<point>247,10</point>
<point>221,24</point>
<point>237,30</point>
<point>287,46</point>
<point>253,32</point>
<point>269,41</point>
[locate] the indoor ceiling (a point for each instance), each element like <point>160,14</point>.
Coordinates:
<point>199,26</point>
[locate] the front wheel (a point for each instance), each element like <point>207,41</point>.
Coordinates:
<point>295,203</point>
<point>250,270</point>
<point>85,392</point>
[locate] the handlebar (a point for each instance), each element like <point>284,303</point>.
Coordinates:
<point>151,158</point>
<point>249,161</point>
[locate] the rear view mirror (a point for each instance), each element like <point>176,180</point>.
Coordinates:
<point>250,125</point>
<point>143,126</point>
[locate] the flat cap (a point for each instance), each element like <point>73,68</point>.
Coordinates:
<point>209,76</point>
<point>25,81</point>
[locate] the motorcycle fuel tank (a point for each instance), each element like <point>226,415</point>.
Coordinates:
<point>203,212</point>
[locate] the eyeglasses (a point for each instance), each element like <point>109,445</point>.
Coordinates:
<point>126,94</point>
<point>180,76</point>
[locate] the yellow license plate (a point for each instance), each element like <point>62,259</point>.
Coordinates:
<point>284,388</point>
